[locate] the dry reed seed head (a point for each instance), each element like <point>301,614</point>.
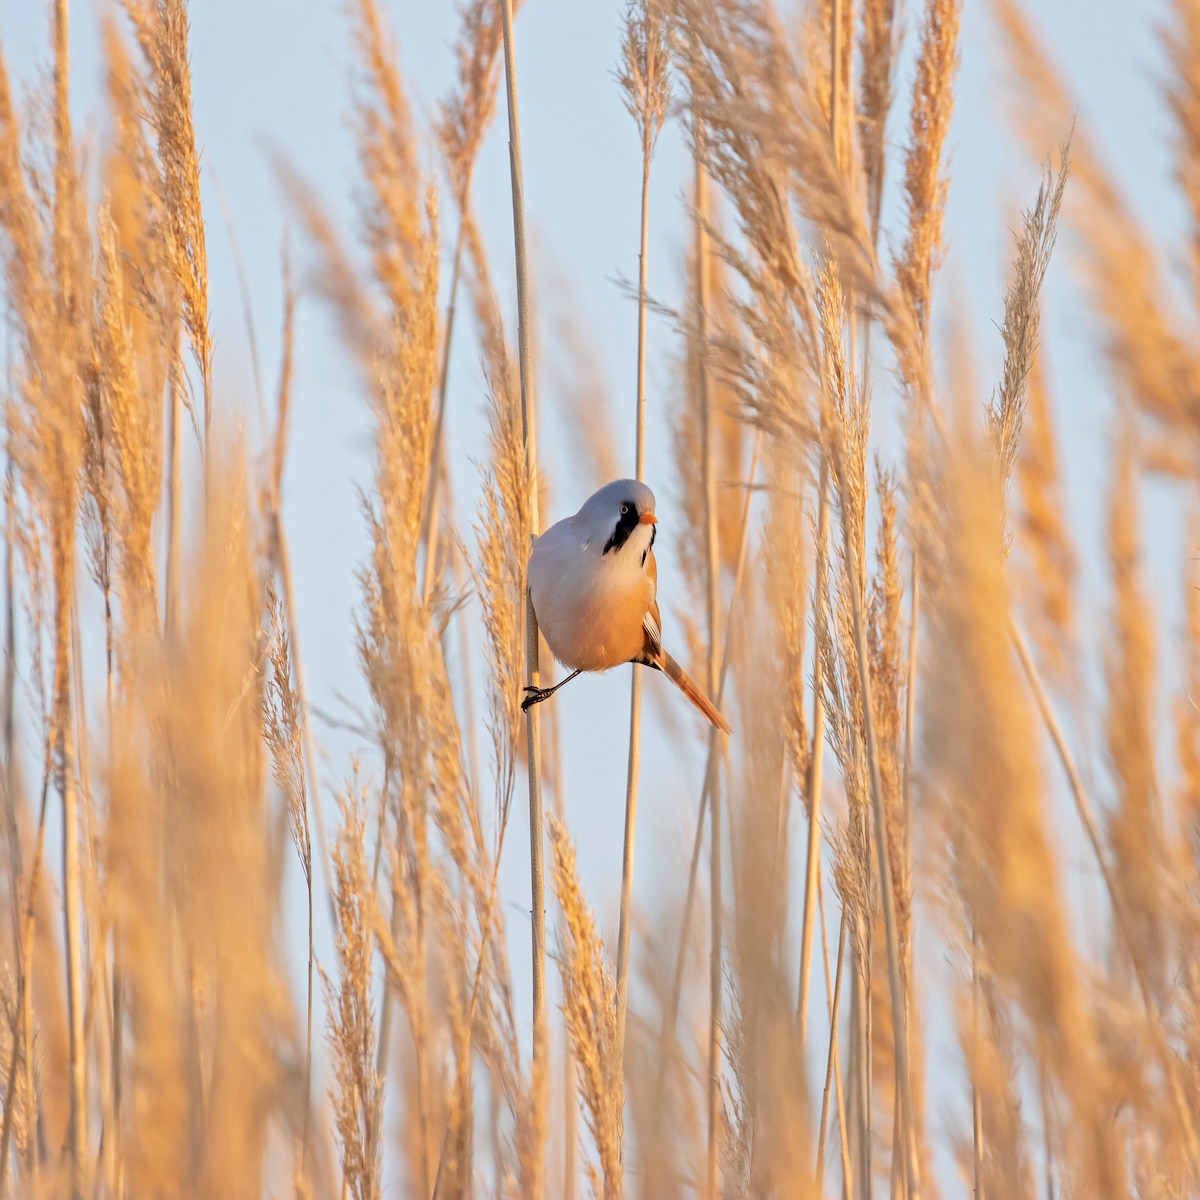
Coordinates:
<point>643,71</point>
<point>195,880</point>
<point>12,1067</point>
<point>46,419</point>
<point>845,421</point>
<point>162,32</point>
<point>768,145</point>
<point>925,185</point>
<point>846,150</point>
<point>838,675</point>
<point>786,562</point>
<point>815,47</point>
<point>395,201</point>
<point>132,422</point>
<point>133,195</point>
<point>1022,313</point>
<point>463,118</point>
<point>879,44</point>
<point>888,671</point>
<point>589,1008</point>
<point>1146,348</point>
<point>1135,828</point>
<point>1045,560</point>
<point>767,367</point>
<point>281,721</point>
<point>735,151</point>
<point>982,785</point>
<point>357,1091</point>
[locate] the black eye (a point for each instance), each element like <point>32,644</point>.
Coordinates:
<point>624,510</point>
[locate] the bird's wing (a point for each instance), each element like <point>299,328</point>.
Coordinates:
<point>652,621</point>
<point>653,655</point>
<point>652,628</point>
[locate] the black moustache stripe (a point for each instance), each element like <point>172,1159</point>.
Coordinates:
<point>626,524</point>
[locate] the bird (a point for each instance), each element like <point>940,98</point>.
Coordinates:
<point>593,582</point>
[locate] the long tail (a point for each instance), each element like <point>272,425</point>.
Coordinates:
<point>684,682</point>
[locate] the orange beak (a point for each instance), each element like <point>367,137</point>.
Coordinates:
<point>647,518</point>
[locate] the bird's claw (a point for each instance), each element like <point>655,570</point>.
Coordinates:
<point>533,695</point>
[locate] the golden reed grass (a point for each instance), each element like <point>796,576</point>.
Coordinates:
<point>897,634</point>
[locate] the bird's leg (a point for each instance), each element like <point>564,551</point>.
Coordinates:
<point>537,695</point>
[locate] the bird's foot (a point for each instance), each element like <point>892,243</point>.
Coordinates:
<point>535,695</point>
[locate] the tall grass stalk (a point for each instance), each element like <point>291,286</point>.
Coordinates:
<point>833,1074</point>
<point>814,784</point>
<point>644,81</point>
<point>22,1038</point>
<point>533,722</point>
<point>976,1098</point>
<point>713,603</point>
<point>61,530</point>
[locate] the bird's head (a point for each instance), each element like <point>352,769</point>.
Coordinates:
<point>621,516</point>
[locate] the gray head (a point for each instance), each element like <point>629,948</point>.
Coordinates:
<point>617,511</point>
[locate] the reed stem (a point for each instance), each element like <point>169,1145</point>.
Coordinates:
<point>533,718</point>
<point>712,550</point>
<point>635,687</point>
<point>816,756</point>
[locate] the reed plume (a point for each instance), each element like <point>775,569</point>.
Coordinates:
<point>590,1009</point>
<point>1047,564</point>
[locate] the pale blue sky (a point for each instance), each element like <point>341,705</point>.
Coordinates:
<point>272,73</point>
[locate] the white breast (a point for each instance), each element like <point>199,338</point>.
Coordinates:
<point>589,604</point>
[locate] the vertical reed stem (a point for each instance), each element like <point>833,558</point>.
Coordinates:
<point>63,538</point>
<point>635,692</point>
<point>174,500</point>
<point>532,716</point>
<point>72,900</point>
<point>833,1072</point>
<point>816,756</point>
<point>976,1099</point>
<point>22,1052</point>
<point>26,956</point>
<point>703,289</point>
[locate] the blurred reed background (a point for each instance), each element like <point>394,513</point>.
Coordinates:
<point>929,765</point>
